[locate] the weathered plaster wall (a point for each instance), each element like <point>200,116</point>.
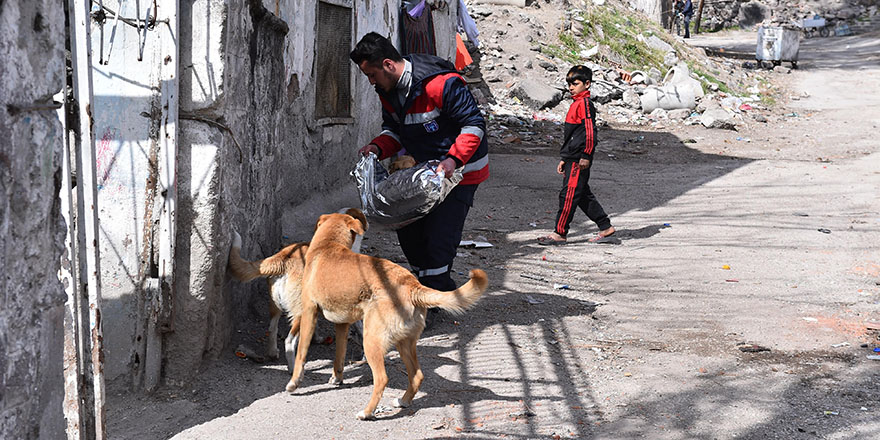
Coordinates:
<point>31,229</point>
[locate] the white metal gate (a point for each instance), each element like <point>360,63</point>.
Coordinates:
<point>85,173</point>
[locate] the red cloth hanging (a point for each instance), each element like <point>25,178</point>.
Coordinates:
<point>462,56</point>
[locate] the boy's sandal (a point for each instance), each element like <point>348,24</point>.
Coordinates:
<point>599,238</point>
<point>550,241</point>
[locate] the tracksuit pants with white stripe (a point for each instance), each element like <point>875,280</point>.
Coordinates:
<point>576,194</point>
<point>430,243</point>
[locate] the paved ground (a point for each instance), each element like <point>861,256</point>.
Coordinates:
<point>766,238</point>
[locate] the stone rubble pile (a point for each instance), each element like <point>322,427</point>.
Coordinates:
<point>521,86</point>
<point>750,13</point>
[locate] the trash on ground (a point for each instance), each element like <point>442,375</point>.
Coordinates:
<point>873,357</point>
<point>824,231</point>
<point>830,413</point>
<point>842,344</point>
<point>561,286</point>
<point>752,348</point>
<point>532,300</point>
<point>476,244</point>
<point>725,267</point>
<point>810,318</point>
<point>532,277</point>
<point>732,280</point>
<point>245,352</point>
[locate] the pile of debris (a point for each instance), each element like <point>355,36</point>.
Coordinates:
<point>523,73</point>
<point>750,13</point>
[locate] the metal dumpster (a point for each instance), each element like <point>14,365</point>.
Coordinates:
<point>777,44</point>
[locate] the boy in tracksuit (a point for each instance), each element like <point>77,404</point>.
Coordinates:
<point>577,157</point>
<point>428,110</point>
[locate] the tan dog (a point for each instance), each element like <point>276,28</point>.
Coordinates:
<point>401,163</point>
<point>348,287</point>
<point>284,272</point>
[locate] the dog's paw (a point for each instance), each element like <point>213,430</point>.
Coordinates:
<point>364,416</point>
<point>335,380</point>
<point>399,403</point>
<point>291,386</point>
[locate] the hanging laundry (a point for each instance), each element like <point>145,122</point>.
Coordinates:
<point>462,56</point>
<point>415,11</point>
<point>417,33</point>
<point>467,25</point>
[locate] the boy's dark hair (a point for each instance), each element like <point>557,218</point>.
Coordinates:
<point>579,73</point>
<point>373,48</point>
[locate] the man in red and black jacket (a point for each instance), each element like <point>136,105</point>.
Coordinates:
<point>428,110</point>
<point>576,158</point>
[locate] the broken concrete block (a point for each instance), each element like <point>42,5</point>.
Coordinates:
<point>679,114</point>
<point>707,104</point>
<point>654,74</point>
<point>605,92</point>
<point>656,43</point>
<point>537,95</point>
<point>548,65</point>
<point>659,113</point>
<point>718,118</point>
<point>631,99</point>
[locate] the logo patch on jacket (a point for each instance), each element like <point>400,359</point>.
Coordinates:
<point>431,126</point>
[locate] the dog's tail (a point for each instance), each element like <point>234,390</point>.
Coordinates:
<point>244,270</point>
<point>456,301</point>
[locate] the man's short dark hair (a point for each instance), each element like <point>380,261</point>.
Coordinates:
<point>579,73</point>
<point>373,48</point>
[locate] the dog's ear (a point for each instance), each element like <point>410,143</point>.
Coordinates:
<point>355,226</point>
<point>359,216</point>
<point>321,220</point>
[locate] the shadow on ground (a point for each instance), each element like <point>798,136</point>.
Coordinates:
<point>519,332</point>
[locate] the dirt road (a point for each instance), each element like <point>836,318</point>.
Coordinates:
<point>765,238</point>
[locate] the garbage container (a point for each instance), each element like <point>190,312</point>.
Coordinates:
<point>777,44</point>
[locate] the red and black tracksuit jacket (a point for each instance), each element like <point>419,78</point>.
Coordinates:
<point>579,143</point>
<point>580,129</point>
<point>439,119</point>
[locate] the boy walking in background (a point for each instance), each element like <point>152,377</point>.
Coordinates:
<point>577,157</point>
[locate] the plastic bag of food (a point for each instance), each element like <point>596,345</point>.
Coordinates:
<point>400,198</point>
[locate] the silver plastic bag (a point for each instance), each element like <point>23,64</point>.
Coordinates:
<point>398,199</point>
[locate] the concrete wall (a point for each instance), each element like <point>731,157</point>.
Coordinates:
<point>31,229</point>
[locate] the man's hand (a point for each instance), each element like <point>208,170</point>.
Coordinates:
<point>560,169</point>
<point>369,148</point>
<point>446,166</point>
<point>584,164</point>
